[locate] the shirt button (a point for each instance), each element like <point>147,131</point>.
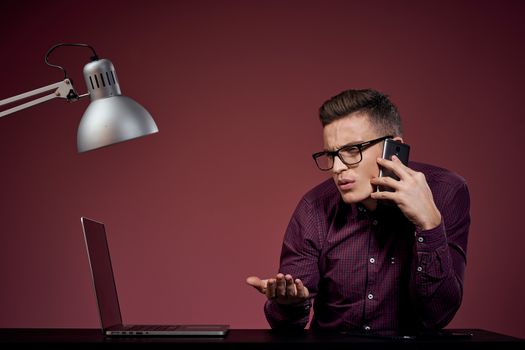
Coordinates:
<point>419,268</point>
<point>367,328</point>
<point>420,239</point>
<point>392,260</point>
<point>370,296</point>
<point>375,222</point>
<point>372,260</point>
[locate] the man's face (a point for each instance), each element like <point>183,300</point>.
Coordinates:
<point>353,182</point>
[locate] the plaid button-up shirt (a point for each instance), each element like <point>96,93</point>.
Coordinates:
<point>375,270</point>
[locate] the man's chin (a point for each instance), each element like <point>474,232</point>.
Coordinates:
<point>352,197</point>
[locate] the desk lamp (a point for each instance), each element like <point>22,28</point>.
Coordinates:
<point>110,117</point>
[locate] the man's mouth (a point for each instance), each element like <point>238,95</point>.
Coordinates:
<point>345,184</point>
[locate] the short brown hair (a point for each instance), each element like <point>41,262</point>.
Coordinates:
<point>381,112</point>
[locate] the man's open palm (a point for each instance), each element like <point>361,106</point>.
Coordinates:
<point>282,289</point>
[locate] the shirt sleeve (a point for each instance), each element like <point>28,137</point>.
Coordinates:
<point>438,266</point>
<point>299,258</point>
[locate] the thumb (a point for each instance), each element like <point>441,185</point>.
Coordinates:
<point>257,283</point>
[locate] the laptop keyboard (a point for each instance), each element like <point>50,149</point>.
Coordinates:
<point>150,328</point>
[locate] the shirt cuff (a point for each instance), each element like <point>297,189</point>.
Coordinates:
<point>430,240</point>
<point>285,311</point>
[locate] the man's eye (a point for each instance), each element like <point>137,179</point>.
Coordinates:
<point>350,150</point>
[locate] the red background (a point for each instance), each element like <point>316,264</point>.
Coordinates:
<point>234,87</point>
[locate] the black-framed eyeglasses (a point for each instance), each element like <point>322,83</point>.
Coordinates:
<point>349,154</point>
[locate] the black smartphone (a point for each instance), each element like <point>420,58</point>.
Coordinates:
<point>391,148</point>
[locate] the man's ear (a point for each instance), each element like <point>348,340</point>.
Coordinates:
<point>399,139</point>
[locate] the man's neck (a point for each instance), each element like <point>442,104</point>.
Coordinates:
<point>370,204</point>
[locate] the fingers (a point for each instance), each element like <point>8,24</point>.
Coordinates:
<point>385,181</point>
<point>302,291</point>
<point>291,291</point>
<point>257,283</point>
<point>410,171</point>
<point>384,195</point>
<point>281,286</point>
<point>270,289</point>
<point>400,169</point>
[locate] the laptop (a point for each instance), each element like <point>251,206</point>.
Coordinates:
<point>107,298</point>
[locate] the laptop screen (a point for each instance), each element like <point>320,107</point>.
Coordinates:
<point>102,273</point>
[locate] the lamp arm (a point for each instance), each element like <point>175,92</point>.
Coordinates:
<point>63,89</point>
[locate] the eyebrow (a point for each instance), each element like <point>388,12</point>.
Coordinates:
<point>346,144</point>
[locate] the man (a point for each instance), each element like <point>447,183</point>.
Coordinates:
<point>367,259</point>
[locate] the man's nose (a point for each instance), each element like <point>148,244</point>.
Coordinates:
<point>339,166</point>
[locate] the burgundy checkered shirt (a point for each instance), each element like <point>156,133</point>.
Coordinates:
<point>375,270</point>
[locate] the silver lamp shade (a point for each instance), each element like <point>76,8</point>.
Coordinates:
<point>110,117</point>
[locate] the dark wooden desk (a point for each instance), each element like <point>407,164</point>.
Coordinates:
<point>255,339</point>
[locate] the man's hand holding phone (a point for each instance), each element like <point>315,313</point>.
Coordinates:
<point>411,193</point>
<point>392,147</point>
<point>282,289</point>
